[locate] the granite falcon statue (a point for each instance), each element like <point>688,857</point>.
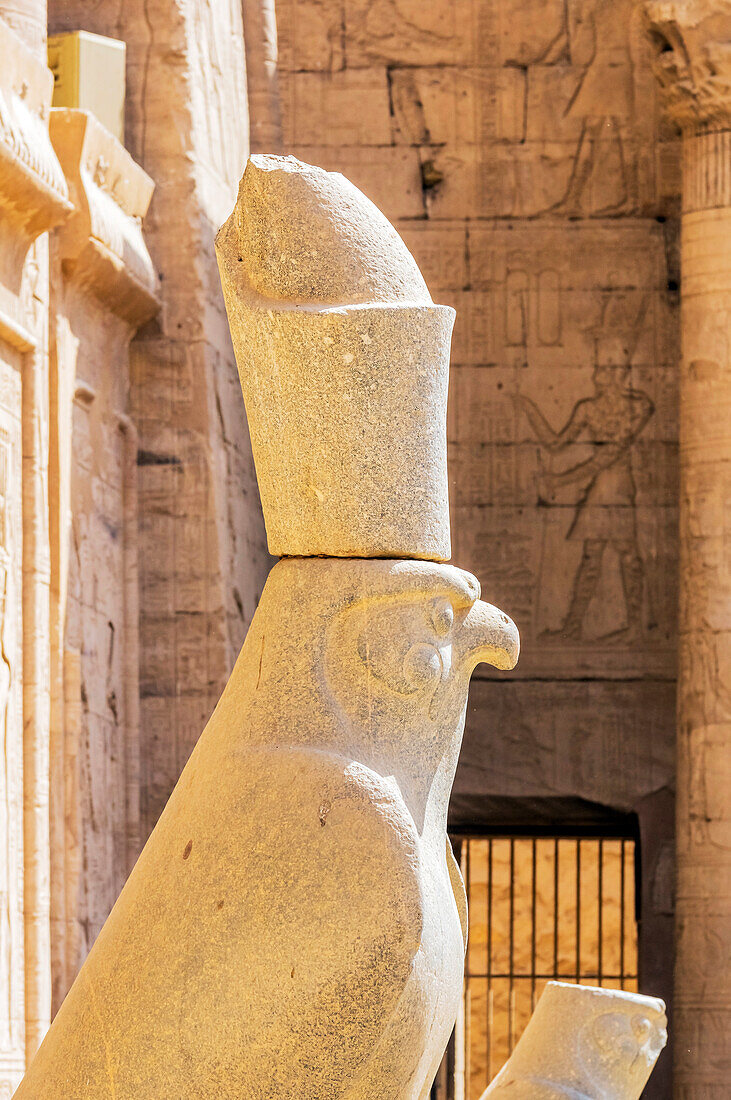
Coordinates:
<point>583,1042</point>
<point>295,927</point>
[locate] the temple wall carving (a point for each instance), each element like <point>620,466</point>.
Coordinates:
<point>521,151</point>
<point>537,157</point>
<point>201,539</point>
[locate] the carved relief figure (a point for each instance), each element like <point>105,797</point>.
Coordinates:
<point>601,36</point>
<point>611,419</point>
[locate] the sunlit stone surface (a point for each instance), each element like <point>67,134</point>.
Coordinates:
<point>296,925</point>
<point>582,1043</point>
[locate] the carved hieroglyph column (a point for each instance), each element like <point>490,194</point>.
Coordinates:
<point>103,290</point>
<point>693,65</point>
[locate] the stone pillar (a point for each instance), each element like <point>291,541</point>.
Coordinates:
<point>104,288</point>
<point>206,553</point>
<point>693,65</point>
<point>33,197</point>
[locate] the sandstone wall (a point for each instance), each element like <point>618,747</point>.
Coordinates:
<point>33,198</point>
<point>130,532</point>
<point>201,539</point>
<point>517,146</point>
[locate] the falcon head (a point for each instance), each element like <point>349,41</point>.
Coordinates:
<point>399,653</point>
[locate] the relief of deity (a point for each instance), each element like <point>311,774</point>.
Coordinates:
<point>611,420</point>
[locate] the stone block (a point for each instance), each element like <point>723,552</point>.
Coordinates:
<point>440,250</point>
<point>391,179</point>
<point>341,108</point>
<point>408,32</point>
<point>310,36</point>
<point>598,739</point>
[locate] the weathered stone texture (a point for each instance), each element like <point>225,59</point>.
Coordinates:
<point>202,552</point>
<point>33,197</point>
<point>532,177</point>
<point>319,935</point>
<point>583,1041</point>
<point>693,47</point>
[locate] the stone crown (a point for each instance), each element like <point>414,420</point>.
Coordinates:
<point>309,237</point>
<point>344,360</point>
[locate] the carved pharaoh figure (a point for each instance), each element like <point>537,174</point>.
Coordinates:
<point>612,419</point>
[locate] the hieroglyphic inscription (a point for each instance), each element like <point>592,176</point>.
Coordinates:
<point>612,419</point>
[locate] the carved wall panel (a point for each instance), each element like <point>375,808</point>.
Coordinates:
<point>529,171</point>
<point>97,625</point>
<point>519,113</point>
<point>572,329</point>
<point>563,419</point>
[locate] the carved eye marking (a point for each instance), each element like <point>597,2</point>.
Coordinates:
<point>641,1027</point>
<point>422,664</point>
<point>442,616</point>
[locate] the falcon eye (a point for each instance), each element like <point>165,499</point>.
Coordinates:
<point>641,1027</point>
<point>442,616</point>
<point>422,664</point>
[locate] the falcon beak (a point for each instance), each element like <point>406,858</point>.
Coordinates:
<point>490,637</point>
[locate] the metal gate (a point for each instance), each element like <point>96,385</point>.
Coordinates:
<point>541,908</point>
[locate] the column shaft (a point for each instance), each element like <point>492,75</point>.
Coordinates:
<point>703,974</point>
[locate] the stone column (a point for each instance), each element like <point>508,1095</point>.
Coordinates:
<point>693,65</point>
<point>33,198</point>
<point>104,289</point>
<point>206,552</point>
<point>262,76</point>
